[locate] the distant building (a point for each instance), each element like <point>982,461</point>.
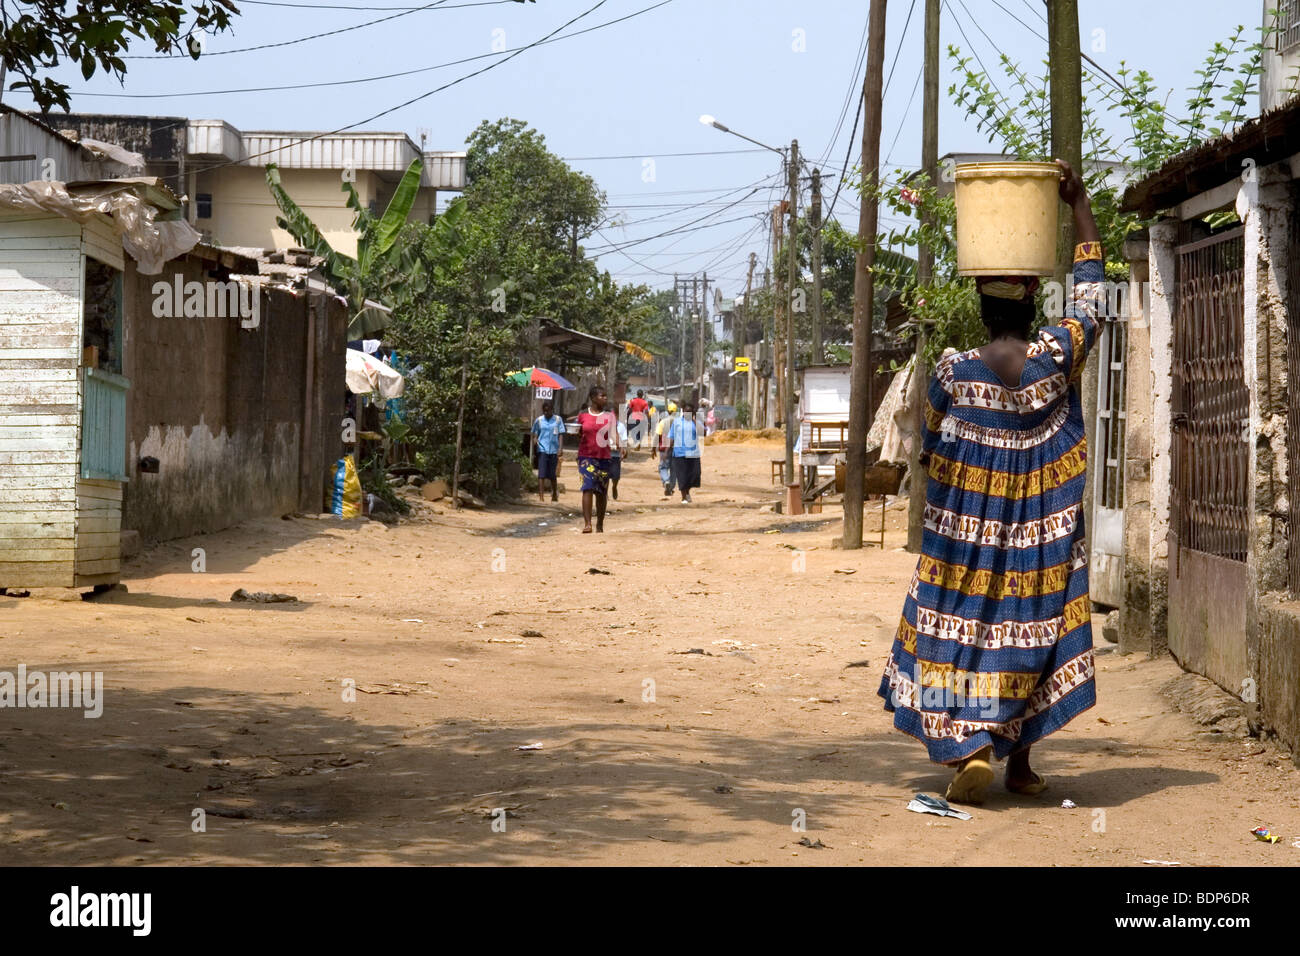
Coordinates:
<point>220,172</point>
<point>1279,79</point>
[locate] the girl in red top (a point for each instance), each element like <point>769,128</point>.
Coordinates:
<point>598,443</point>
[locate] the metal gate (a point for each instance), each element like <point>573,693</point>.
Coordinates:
<point>1106,566</point>
<point>1209,505</point>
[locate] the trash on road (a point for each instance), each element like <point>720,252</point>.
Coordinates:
<point>1266,835</point>
<point>263,597</point>
<point>814,844</point>
<point>1162,862</point>
<point>924,803</point>
<point>1069,805</point>
<point>598,571</point>
<point>529,747</point>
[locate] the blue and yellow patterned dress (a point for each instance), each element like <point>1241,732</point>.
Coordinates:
<point>997,618</point>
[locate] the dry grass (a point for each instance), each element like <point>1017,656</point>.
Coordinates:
<point>733,436</point>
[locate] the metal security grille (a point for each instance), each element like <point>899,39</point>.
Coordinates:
<point>1288,24</point>
<point>1110,413</point>
<point>1293,406</point>
<point>1211,404</point>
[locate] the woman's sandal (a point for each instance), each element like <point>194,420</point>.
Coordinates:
<point>1030,789</point>
<point>969,783</point>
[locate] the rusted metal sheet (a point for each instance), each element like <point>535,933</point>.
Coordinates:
<point>30,150</point>
<point>1207,616</point>
<point>1209,506</point>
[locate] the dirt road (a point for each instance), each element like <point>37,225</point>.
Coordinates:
<point>469,635</point>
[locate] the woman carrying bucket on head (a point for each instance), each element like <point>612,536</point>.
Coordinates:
<point>994,650</point>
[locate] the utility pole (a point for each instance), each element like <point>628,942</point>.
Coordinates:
<point>1065,72</point>
<point>768,351</point>
<point>705,334</point>
<point>792,276</point>
<point>924,274</point>
<point>815,220</point>
<point>779,312</point>
<point>679,289</point>
<point>863,281</point>
<point>740,334</point>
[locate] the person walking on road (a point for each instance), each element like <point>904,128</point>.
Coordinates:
<point>616,461</point>
<point>596,446</point>
<point>684,446</point>
<point>637,419</point>
<point>661,450</point>
<point>548,433</point>
<point>994,649</point>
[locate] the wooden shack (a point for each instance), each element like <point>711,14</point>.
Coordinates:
<point>62,401</point>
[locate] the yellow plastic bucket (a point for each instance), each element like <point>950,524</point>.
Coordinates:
<point>1007,218</point>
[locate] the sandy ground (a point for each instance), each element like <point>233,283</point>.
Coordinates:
<point>471,634</point>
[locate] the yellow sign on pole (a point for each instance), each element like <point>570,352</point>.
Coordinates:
<point>742,364</point>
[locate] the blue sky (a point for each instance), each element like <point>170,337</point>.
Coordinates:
<point>772,69</point>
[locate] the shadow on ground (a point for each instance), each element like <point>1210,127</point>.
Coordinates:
<point>279,781</point>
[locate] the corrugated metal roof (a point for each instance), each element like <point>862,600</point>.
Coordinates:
<point>304,149</point>
<point>1266,139</point>
<point>28,143</point>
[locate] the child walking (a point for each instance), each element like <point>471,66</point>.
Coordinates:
<point>548,432</point>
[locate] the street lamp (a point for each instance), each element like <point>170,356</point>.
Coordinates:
<point>709,120</point>
<point>791,163</point>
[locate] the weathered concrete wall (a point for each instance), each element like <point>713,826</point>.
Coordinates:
<point>1278,669</point>
<point>223,409</point>
<point>1135,611</point>
<point>1162,264</point>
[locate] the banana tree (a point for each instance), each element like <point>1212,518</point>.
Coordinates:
<point>379,249</point>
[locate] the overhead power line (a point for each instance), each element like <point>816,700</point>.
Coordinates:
<point>849,151</point>
<point>269,46</point>
<point>445,86</point>
<point>373,79</point>
<point>653,155</point>
<point>368,9</point>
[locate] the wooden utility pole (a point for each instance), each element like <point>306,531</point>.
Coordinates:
<point>792,277</point>
<point>740,334</point>
<point>924,274</point>
<point>863,282</point>
<point>1066,71</point>
<point>768,351</point>
<point>779,312</point>
<point>705,336</point>
<point>815,221</point>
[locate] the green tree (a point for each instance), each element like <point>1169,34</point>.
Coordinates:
<point>1019,121</point>
<point>384,269</point>
<point>520,257</point>
<point>40,35</point>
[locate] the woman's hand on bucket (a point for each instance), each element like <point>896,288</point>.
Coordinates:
<point>1073,192</point>
<point>1072,189</point>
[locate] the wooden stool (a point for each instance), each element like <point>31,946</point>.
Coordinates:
<point>778,470</point>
